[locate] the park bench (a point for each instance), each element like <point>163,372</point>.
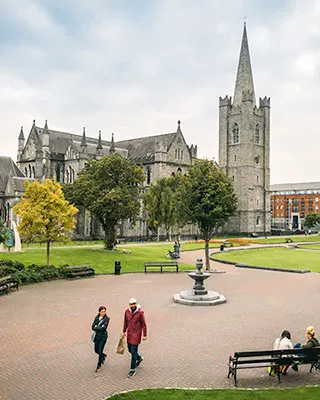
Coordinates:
<point>7,284</point>
<point>273,358</point>
<point>289,240</point>
<point>121,239</point>
<point>79,270</point>
<point>161,265</point>
<point>227,244</point>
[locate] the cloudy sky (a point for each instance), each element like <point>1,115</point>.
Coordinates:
<point>134,67</point>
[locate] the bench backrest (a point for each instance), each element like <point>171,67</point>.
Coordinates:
<point>78,267</point>
<point>169,263</point>
<point>5,279</point>
<point>312,352</point>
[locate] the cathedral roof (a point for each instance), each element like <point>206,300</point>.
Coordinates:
<point>8,168</point>
<point>143,149</point>
<point>244,80</point>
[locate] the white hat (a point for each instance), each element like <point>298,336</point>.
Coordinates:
<point>133,301</point>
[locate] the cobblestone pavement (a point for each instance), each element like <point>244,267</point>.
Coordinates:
<point>46,353</point>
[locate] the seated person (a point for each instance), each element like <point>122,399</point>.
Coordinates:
<point>312,341</point>
<point>282,343</point>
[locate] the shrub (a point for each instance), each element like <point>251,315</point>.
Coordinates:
<point>32,273</point>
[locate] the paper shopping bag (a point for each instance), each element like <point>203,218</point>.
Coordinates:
<point>121,346</point>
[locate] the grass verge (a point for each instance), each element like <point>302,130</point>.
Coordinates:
<point>275,257</point>
<point>307,393</point>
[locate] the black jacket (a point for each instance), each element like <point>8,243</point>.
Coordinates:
<point>100,329</point>
<point>313,342</point>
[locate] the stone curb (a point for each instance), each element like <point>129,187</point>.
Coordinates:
<point>243,265</point>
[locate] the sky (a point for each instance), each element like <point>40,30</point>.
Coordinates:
<point>136,67</point>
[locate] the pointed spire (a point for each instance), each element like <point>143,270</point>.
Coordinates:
<point>112,147</point>
<point>244,81</point>
<point>179,129</point>
<point>21,134</point>
<point>84,140</point>
<point>46,126</point>
<point>99,146</point>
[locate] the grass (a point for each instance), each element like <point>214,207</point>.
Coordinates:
<point>282,239</point>
<point>310,246</point>
<point>275,257</point>
<point>102,261</point>
<point>307,393</point>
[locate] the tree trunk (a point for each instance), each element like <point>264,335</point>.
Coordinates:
<point>206,252</point>
<point>48,253</point>
<point>110,235</point>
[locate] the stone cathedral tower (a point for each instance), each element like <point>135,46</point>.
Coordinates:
<point>244,149</point>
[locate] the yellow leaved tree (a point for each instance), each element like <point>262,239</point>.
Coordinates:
<point>45,215</point>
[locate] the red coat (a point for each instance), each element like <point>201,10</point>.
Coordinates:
<point>134,324</point>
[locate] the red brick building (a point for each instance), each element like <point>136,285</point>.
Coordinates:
<point>291,202</point>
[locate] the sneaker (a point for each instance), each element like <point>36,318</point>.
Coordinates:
<point>104,358</point>
<point>139,362</point>
<point>98,369</point>
<point>131,373</point>
<point>295,367</point>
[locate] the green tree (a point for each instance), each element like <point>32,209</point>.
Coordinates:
<point>311,220</point>
<point>207,198</point>
<point>3,231</point>
<point>45,215</point>
<point>109,189</point>
<point>160,203</point>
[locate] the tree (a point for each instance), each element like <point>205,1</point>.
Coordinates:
<point>207,198</point>
<point>160,203</point>
<point>311,220</point>
<point>109,189</point>
<point>3,231</point>
<point>45,214</point>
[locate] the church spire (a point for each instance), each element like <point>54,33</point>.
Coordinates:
<point>244,81</point>
<point>112,147</point>
<point>21,135</point>
<point>84,140</point>
<point>99,146</point>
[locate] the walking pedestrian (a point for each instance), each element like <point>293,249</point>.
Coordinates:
<point>100,335</point>
<point>135,327</point>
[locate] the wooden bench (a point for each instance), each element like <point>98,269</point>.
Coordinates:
<point>121,240</point>
<point>273,358</point>
<point>227,244</point>
<point>7,284</point>
<point>161,265</point>
<point>79,270</point>
<point>289,240</point>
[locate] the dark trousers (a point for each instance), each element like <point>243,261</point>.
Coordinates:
<point>135,356</point>
<point>99,344</point>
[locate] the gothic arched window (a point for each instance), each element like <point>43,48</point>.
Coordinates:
<point>235,132</point>
<point>257,134</point>
<point>29,174</point>
<point>26,171</point>
<point>58,173</point>
<point>33,173</point>
<point>258,220</point>
<point>148,175</point>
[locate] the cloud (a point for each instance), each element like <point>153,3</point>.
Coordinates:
<point>136,68</point>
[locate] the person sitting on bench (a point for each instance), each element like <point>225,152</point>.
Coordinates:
<point>312,341</point>
<point>282,343</point>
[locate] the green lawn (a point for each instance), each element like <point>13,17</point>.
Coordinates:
<point>282,239</point>
<point>310,246</point>
<point>102,261</point>
<point>275,257</point>
<point>300,393</point>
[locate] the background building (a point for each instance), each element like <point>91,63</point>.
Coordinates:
<point>291,202</point>
<point>244,149</point>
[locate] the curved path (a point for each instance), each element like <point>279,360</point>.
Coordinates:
<point>46,353</point>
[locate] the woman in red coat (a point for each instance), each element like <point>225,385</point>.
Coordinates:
<point>134,325</point>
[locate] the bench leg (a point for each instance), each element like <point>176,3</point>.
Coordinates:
<point>278,373</point>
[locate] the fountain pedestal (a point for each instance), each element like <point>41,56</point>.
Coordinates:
<point>199,295</point>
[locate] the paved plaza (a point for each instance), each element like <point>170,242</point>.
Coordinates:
<point>46,353</point>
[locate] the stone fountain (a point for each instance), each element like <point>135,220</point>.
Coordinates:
<point>199,295</point>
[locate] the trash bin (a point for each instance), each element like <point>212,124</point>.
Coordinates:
<point>117,267</point>
<point>221,247</point>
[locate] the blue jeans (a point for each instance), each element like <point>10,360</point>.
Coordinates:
<point>135,356</point>
<point>99,344</point>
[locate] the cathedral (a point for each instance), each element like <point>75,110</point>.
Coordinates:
<point>47,153</point>
<point>244,149</point>
<point>244,154</point>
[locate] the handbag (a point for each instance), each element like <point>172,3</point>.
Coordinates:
<point>121,346</point>
<point>93,336</point>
